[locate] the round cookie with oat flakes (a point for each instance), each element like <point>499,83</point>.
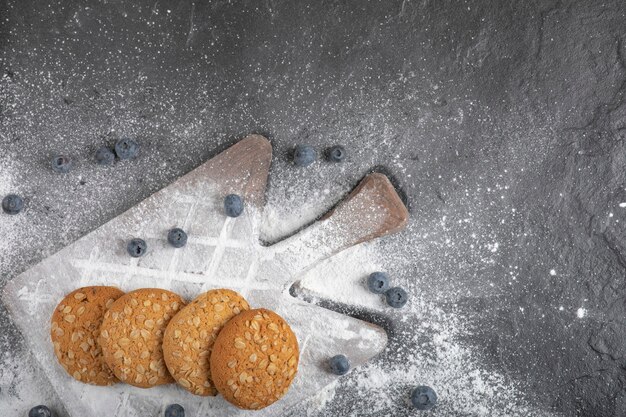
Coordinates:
<point>75,327</point>
<point>190,334</point>
<point>254,359</point>
<point>131,336</point>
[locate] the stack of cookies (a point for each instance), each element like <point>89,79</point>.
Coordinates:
<point>149,337</point>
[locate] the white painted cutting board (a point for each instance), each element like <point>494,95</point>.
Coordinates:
<point>222,252</point>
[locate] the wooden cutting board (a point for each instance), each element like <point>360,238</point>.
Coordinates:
<point>221,252</point>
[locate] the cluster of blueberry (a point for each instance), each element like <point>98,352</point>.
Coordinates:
<point>233,207</point>
<point>378,283</point>
<point>124,148</point>
<point>305,155</point>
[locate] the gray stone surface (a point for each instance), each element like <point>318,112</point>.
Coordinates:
<point>508,118</point>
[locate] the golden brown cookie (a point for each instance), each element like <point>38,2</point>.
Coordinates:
<point>188,338</point>
<point>132,333</point>
<point>254,359</point>
<point>75,329</point>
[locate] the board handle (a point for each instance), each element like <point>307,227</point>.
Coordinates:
<point>372,210</point>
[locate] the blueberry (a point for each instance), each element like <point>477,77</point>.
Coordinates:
<point>137,248</point>
<point>396,297</point>
<point>378,282</point>
<point>174,410</point>
<point>336,153</point>
<point>12,204</point>
<point>304,155</point>
<point>62,164</point>
<point>233,205</point>
<point>104,156</point>
<point>126,148</point>
<point>339,365</point>
<point>423,398</point>
<point>40,411</point>
<point>177,237</point>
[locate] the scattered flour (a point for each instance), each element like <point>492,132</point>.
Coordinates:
<point>432,354</point>
<point>222,252</point>
<point>21,382</point>
<point>9,225</point>
<point>277,223</point>
<point>319,402</point>
<point>430,351</point>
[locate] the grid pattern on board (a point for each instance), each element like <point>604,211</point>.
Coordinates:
<point>222,252</point>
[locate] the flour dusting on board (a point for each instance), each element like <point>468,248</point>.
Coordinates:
<point>221,252</point>
<point>224,252</point>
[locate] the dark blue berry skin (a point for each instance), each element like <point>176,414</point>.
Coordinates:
<point>177,238</point>
<point>336,153</point>
<point>40,411</point>
<point>339,365</point>
<point>61,164</point>
<point>174,410</point>
<point>12,204</point>
<point>126,148</point>
<point>423,398</point>
<point>233,205</point>
<point>137,248</point>
<point>304,155</point>
<point>104,156</point>
<point>396,297</point>
<point>378,282</point>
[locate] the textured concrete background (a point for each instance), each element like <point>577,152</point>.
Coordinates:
<point>511,113</point>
